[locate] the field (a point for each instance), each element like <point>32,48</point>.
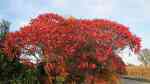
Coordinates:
<point>138,71</point>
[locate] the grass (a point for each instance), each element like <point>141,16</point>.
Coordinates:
<point>140,72</point>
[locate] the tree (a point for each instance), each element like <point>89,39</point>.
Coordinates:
<point>72,50</point>
<point>4,28</point>
<point>144,56</point>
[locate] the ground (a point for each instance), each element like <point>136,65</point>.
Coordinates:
<point>127,81</point>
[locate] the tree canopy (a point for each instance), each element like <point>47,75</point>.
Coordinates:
<point>144,56</point>
<point>72,48</point>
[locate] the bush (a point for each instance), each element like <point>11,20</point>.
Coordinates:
<point>12,72</point>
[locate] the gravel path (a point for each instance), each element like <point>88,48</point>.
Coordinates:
<point>127,81</point>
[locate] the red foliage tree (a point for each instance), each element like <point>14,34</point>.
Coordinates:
<point>72,48</point>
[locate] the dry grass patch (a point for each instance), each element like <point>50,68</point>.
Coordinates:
<point>138,71</point>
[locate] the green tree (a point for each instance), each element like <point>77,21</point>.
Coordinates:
<point>144,56</point>
<point>4,28</point>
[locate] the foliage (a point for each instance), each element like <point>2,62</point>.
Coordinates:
<point>4,28</point>
<point>144,56</point>
<point>11,70</point>
<point>72,50</point>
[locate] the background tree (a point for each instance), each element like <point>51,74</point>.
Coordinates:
<point>4,28</point>
<point>144,56</point>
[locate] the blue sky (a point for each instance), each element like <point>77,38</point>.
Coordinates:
<point>132,13</point>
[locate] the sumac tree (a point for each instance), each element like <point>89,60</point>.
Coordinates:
<point>72,50</point>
